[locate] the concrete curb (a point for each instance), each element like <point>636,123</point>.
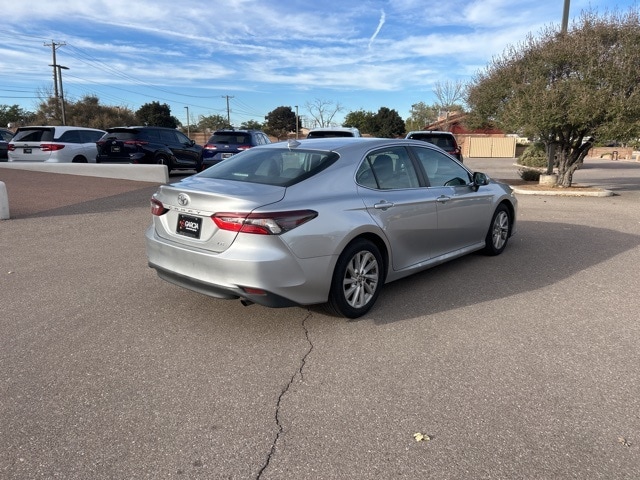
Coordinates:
<point>559,192</point>
<point>4,202</point>
<point>140,173</point>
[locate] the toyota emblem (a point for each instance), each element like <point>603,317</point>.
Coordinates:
<point>183,199</point>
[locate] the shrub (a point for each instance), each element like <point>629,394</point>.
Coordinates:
<point>534,156</point>
<point>529,175</point>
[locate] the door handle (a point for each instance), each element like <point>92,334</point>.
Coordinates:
<point>383,205</point>
<point>443,199</point>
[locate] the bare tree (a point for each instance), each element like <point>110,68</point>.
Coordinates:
<point>322,111</point>
<point>449,93</point>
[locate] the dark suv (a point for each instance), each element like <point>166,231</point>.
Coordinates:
<point>225,143</point>
<point>157,145</point>
<point>445,140</point>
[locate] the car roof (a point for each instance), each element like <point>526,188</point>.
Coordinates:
<point>344,143</point>
<point>59,128</point>
<point>334,129</point>
<point>137,127</point>
<point>234,130</point>
<point>437,132</point>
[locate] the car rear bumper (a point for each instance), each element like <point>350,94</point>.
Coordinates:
<point>285,280</point>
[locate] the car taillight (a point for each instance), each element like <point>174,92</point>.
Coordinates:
<point>135,142</point>
<point>11,147</point>
<point>51,147</point>
<point>271,223</point>
<point>244,147</point>
<point>208,146</point>
<point>157,208</point>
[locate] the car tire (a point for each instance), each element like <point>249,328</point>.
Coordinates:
<point>79,159</point>
<point>162,160</point>
<point>499,231</point>
<point>357,280</point>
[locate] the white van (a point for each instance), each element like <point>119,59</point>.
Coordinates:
<point>54,144</point>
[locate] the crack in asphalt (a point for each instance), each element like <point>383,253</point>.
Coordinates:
<point>283,393</point>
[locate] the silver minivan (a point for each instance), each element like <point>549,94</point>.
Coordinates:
<point>55,144</point>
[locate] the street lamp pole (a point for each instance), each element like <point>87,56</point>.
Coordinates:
<point>188,132</point>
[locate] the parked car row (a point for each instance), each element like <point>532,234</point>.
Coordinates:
<point>136,144</point>
<point>158,145</point>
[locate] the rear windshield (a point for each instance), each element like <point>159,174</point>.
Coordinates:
<point>231,138</point>
<point>329,134</point>
<point>271,166</point>
<point>443,141</point>
<point>124,135</point>
<point>34,135</point>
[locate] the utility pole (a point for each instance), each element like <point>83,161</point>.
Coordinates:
<point>565,16</point>
<point>54,46</point>
<point>64,115</point>
<point>188,132</point>
<point>296,122</point>
<point>228,111</point>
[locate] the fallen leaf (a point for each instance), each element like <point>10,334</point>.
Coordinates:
<point>624,441</point>
<point>421,437</point>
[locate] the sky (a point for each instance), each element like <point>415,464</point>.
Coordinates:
<point>244,58</point>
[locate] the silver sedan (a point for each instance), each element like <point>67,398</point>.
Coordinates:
<point>325,221</point>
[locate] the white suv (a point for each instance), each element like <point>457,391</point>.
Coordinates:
<point>333,132</point>
<point>54,144</point>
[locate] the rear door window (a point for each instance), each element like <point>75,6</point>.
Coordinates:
<point>168,137</point>
<point>388,169</point>
<point>70,136</point>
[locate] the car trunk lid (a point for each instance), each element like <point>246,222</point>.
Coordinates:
<point>190,204</point>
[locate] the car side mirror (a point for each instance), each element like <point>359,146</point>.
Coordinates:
<point>480,179</point>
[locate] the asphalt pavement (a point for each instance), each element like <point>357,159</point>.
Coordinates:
<point>521,366</point>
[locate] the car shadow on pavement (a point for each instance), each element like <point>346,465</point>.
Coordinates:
<point>109,203</point>
<point>540,255</point>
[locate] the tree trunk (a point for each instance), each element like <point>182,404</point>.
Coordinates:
<point>569,163</point>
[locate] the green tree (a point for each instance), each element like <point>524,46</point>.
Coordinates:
<point>157,115</point>
<point>212,123</point>
<point>566,87</point>
<point>87,112</point>
<point>14,115</point>
<point>251,125</point>
<point>280,122</point>
<point>421,116</point>
<point>387,123</point>
<point>361,120</point>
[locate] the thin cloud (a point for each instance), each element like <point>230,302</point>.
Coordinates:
<point>383,16</point>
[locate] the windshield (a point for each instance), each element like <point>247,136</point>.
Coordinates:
<point>271,166</point>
